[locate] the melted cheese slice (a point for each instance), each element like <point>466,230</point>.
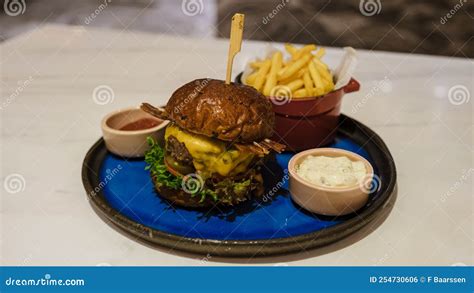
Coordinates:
<point>209,155</point>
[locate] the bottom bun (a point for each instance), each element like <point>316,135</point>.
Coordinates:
<point>178,197</point>
<point>183,199</point>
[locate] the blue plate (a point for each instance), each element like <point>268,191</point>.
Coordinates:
<point>128,193</point>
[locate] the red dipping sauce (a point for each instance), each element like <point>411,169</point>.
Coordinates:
<point>141,124</point>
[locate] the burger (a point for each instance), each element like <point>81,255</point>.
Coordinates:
<point>215,144</point>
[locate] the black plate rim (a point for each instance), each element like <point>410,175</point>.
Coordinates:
<point>240,248</point>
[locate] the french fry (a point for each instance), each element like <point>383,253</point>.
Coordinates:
<point>306,49</point>
<point>284,66</point>
<point>295,66</point>
<point>326,75</point>
<point>320,63</point>
<point>290,49</point>
<point>300,93</point>
<point>281,71</point>
<point>315,76</point>
<point>329,87</point>
<point>318,92</point>
<point>261,73</point>
<point>296,84</point>
<point>251,78</point>
<point>271,81</point>
<point>297,75</point>
<point>320,53</point>
<point>256,64</point>
<point>327,78</point>
<point>301,72</point>
<point>308,83</point>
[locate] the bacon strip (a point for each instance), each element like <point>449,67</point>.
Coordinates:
<point>277,147</point>
<point>250,148</point>
<point>261,148</point>
<point>157,112</point>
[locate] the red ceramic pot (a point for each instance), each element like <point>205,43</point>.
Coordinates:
<point>311,122</point>
<point>306,123</point>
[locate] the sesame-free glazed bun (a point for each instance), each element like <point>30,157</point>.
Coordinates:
<point>230,112</point>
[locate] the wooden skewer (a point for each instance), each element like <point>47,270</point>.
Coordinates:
<point>236,32</point>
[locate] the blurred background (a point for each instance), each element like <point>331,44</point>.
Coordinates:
<point>441,27</point>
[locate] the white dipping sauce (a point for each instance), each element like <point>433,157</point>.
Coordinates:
<point>331,171</point>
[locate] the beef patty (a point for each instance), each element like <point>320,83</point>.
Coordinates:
<point>178,151</point>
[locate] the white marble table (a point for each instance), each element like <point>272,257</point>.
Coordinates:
<point>49,120</point>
